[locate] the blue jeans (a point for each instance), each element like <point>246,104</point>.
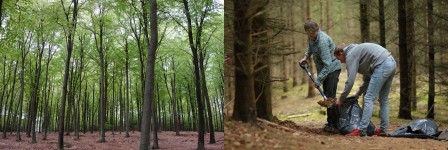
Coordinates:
<point>379,86</point>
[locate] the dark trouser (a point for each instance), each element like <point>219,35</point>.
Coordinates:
<point>330,86</point>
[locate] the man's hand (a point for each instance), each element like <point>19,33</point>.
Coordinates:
<point>338,102</point>
<point>303,61</point>
<point>329,102</point>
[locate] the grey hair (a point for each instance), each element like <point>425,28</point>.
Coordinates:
<point>310,26</point>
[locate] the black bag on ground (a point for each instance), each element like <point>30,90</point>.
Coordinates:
<point>350,116</point>
<point>419,128</point>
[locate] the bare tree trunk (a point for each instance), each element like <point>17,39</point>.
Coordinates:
<point>149,84</point>
<point>155,119</point>
<point>6,124</point>
<point>5,85</point>
<point>262,83</point>
<point>206,96</point>
<point>329,24</point>
<point>1,8</point>
<point>411,48</point>
<point>244,106</point>
<point>431,62</point>
<point>71,28</point>
<point>47,92</point>
<point>405,101</point>
<point>34,97</point>
<point>382,23</point>
<point>295,56</point>
<point>24,52</point>
<point>126,116</point>
<point>364,20</point>
<point>194,49</point>
<point>311,92</point>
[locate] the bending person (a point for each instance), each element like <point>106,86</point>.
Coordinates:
<point>378,67</point>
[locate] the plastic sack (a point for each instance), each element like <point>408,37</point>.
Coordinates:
<point>420,128</point>
<point>350,116</point>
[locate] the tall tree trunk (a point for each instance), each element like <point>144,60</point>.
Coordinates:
<point>329,23</point>
<point>7,123</point>
<point>311,91</point>
<point>24,52</point>
<point>126,116</point>
<point>1,10</point>
<point>431,62</point>
<point>364,20</point>
<point>193,108</point>
<point>382,23</point>
<point>70,98</point>
<point>194,49</point>
<point>172,96</point>
<point>295,59</point>
<point>405,90</point>
<point>4,90</point>
<point>155,119</point>
<point>151,46</point>
<point>411,48</point>
<point>206,96</point>
<point>79,85</point>
<point>85,110</point>
<point>136,30</point>
<point>35,91</point>
<point>244,106</point>
<point>174,100</point>
<point>92,109</point>
<point>47,92</point>
<point>284,76</point>
<point>99,37</point>
<point>71,27</point>
<point>262,73</point>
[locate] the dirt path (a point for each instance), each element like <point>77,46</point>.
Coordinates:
<point>306,119</point>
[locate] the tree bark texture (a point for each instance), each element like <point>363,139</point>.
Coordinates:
<point>405,87</point>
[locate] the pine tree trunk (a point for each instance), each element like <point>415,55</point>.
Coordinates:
<point>244,105</point>
<point>431,62</point>
<point>382,23</point>
<point>405,90</point>
<point>411,48</point>
<point>262,83</point>
<point>364,20</point>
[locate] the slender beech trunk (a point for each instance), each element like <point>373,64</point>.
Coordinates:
<point>151,46</point>
<point>194,49</point>
<point>71,27</point>
<point>126,116</point>
<point>206,96</point>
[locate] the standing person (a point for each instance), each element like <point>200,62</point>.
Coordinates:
<point>378,67</point>
<point>321,46</point>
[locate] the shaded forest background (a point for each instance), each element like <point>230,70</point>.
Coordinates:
<point>107,41</point>
<point>275,40</point>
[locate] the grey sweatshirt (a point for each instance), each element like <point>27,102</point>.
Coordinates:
<point>362,58</point>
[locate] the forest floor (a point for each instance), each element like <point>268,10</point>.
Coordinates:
<point>167,141</point>
<point>306,119</point>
